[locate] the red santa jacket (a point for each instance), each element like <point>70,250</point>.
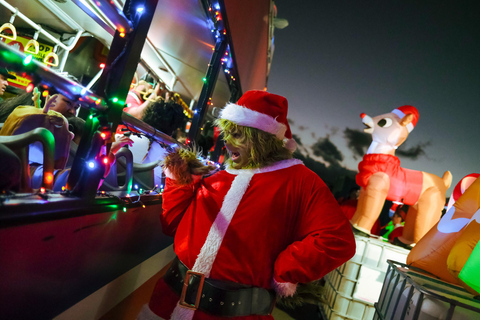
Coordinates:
<point>405,184</point>
<point>272,227</point>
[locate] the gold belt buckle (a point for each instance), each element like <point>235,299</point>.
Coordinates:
<point>184,290</point>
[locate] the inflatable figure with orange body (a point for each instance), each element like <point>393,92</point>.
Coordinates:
<point>381,178</point>
<point>450,249</point>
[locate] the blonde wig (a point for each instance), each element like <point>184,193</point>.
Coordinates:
<point>265,148</point>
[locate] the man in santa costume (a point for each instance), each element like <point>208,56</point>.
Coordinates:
<point>251,232</point>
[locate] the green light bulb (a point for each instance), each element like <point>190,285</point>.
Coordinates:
<point>28,59</point>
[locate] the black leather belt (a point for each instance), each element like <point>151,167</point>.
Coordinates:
<point>216,297</point>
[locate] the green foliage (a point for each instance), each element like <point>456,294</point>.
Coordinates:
<point>183,163</point>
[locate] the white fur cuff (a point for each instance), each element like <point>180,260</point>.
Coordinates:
<point>147,314</point>
<point>290,144</point>
<point>284,289</point>
<point>168,173</point>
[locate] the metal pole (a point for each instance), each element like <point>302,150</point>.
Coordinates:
<point>207,90</point>
<point>122,61</point>
<point>124,57</point>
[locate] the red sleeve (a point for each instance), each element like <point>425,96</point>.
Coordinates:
<point>324,240</point>
<point>176,200</point>
<point>131,102</point>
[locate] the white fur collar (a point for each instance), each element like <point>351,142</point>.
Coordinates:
<point>274,167</point>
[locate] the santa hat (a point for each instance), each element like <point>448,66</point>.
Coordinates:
<point>262,110</point>
<point>404,110</point>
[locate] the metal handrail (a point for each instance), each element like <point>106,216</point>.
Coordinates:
<point>40,29</point>
<point>109,17</point>
<point>150,131</point>
<point>13,59</point>
<point>115,15</point>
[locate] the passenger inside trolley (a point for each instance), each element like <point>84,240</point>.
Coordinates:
<point>146,92</point>
<point>167,117</point>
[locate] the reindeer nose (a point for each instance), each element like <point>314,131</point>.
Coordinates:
<point>362,115</point>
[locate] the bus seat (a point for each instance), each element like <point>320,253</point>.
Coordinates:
<point>111,182</point>
<point>143,174</point>
<point>20,145</point>
<point>59,177</point>
<point>27,118</point>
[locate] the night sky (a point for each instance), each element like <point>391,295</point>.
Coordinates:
<point>337,59</point>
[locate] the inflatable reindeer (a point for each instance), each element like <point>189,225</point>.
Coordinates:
<point>381,178</point>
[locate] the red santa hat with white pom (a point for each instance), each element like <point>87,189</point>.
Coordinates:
<point>262,110</point>
<point>404,110</point>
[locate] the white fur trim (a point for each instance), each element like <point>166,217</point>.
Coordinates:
<point>249,118</point>
<point>284,289</point>
<point>290,144</point>
<point>147,314</point>
<point>400,114</point>
<point>274,167</point>
<point>182,313</point>
<point>210,248</point>
<point>208,253</point>
<point>168,173</point>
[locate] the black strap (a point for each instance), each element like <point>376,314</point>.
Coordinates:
<point>221,298</point>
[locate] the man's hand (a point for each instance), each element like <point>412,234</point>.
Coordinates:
<point>122,141</point>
